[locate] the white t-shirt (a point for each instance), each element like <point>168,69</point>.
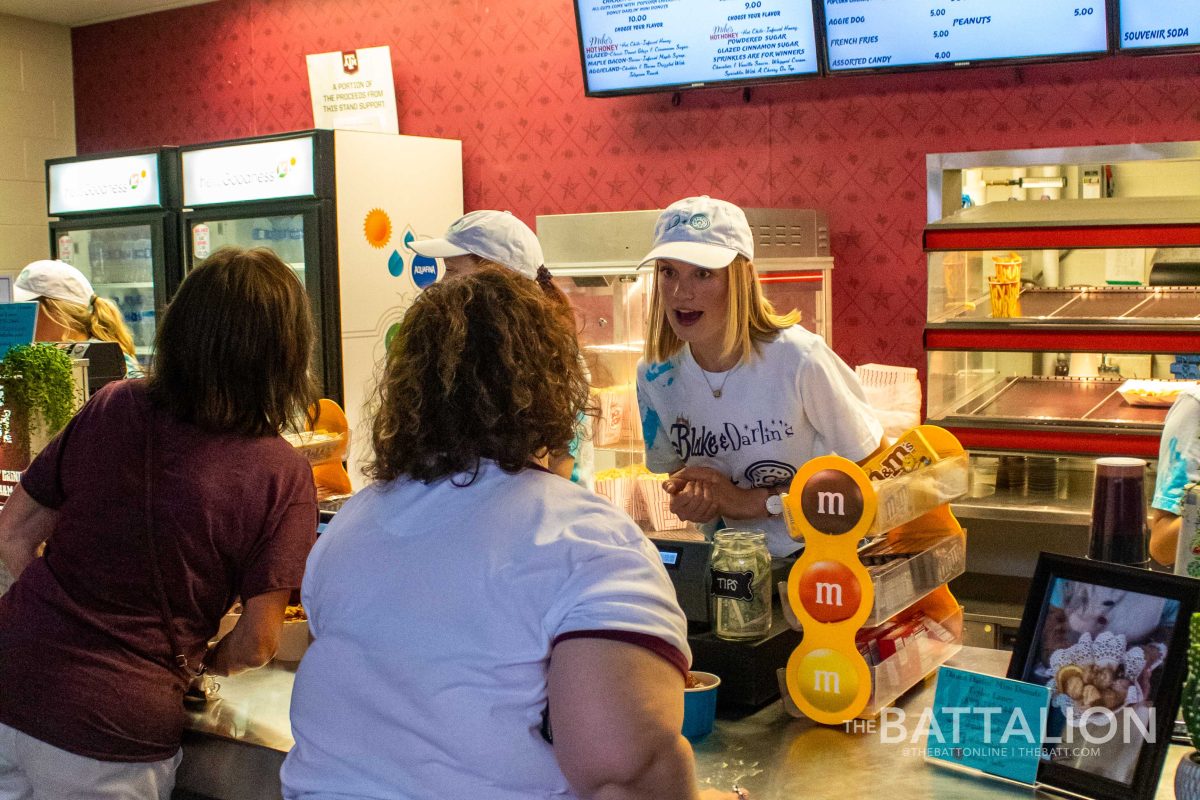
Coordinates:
<point>435,608</point>
<point>1178,452</point>
<point>793,400</point>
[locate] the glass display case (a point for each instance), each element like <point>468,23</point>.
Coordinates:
<point>1063,326</point>
<point>1083,358</point>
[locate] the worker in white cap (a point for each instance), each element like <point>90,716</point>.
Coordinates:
<point>735,398</point>
<point>486,237</point>
<point>69,310</point>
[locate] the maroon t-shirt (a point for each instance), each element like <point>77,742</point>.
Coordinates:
<point>85,663</point>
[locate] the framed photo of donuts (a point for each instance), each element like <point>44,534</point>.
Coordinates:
<point>1111,643</point>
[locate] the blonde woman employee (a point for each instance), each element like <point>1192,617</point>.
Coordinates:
<point>735,398</point>
<point>68,309</point>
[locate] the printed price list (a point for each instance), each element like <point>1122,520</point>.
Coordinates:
<point>873,34</point>
<point>631,44</point>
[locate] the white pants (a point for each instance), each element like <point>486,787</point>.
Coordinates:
<point>30,769</point>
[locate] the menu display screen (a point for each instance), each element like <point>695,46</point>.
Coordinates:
<point>883,34</point>
<point>646,45</point>
<point>1149,24</point>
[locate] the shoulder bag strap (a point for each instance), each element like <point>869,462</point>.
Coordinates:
<point>179,657</point>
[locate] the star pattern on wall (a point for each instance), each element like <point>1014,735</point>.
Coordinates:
<point>504,76</point>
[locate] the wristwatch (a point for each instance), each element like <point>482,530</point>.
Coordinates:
<point>775,502</point>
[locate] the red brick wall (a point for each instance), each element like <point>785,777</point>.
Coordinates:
<point>504,76</point>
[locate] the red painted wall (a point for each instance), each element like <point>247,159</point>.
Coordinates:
<point>504,76</point>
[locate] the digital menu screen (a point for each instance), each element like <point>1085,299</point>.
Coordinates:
<point>650,45</point>
<point>885,34</point>
<point>1151,24</point>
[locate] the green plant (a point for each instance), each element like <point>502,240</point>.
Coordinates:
<point>1191,687</point>
<point>37,377</point>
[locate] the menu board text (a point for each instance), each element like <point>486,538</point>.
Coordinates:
<point>648,44</point>
<point>865,34</point>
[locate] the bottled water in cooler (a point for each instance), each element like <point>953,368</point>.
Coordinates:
<point>98,256</point>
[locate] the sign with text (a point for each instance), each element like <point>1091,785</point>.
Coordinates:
<point>993,725</point>
<point>17,324</point>
<point>104,184</point>
<point>1159,23</point>
<point>352,90</point>
<point>634,45</point>
<point>874,34</point>
<point>237,173</point>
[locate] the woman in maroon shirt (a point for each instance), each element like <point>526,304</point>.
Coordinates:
<point>182,476</point>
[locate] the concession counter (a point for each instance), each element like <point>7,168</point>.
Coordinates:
<point>233,749</point>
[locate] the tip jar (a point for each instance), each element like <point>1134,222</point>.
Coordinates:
<point>740,586</point>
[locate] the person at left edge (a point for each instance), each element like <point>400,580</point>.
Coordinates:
<point>91,694</point>
<point>69,310</point>
<point>735,398</point>
<point>1178,466</point>
<point>485,238</point>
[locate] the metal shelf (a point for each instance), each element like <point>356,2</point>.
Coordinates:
<point>1108,222</point>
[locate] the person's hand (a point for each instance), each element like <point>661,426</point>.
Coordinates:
<point>695,502</point>
<point>732,502</point>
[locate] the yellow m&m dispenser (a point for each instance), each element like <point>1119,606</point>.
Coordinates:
<point>831,503</point>
<point>911,623</point>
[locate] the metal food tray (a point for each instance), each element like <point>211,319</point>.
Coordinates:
<point>1099,303</point>
<point>1058,400</point>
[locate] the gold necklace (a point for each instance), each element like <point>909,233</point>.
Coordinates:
<point>716,393</point>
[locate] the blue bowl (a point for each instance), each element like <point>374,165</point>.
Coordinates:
<point>700,707</point>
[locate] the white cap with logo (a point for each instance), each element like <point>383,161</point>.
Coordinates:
<point>495,235</point>
<point>702,231</point>
<point>55,280</point>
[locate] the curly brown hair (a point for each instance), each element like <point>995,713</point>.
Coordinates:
<point>482,367</point>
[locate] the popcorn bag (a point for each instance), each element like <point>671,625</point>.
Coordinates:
<point>894,394</point>
<point>618,415</point>
<point>614,488</point>
<point>658,503</point>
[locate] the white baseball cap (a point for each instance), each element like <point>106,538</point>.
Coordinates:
<point>55,280</point>
<point>702,231</point>
<point>495,235</point>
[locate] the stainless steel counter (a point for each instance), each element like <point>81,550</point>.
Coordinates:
<point>234,749</point>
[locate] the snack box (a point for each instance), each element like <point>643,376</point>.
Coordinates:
<point>1160,394</point>
<point>907,454</point>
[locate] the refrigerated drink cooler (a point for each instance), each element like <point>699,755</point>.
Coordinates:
<point>118,224</point>
<point>340,208</point>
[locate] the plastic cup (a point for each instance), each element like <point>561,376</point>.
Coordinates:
<point>700,707</point>
<point>1118,531</point>
<point>1005,298</point>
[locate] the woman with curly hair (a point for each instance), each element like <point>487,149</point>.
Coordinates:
<point>484,628</point>
<point>497,238</point>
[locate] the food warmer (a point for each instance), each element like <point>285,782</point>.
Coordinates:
<point>1084,363</point>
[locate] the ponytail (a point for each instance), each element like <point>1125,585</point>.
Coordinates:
<point>100,319</point>
<point>546,282</point>
<point>107,324</point>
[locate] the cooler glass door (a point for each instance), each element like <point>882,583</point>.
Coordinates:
<point>292,234</point>
<point>125,263</point>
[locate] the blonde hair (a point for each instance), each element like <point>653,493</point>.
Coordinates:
<point>102,320</point>
<point>749,317</point>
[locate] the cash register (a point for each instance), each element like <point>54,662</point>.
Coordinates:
<point>747,669</point>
